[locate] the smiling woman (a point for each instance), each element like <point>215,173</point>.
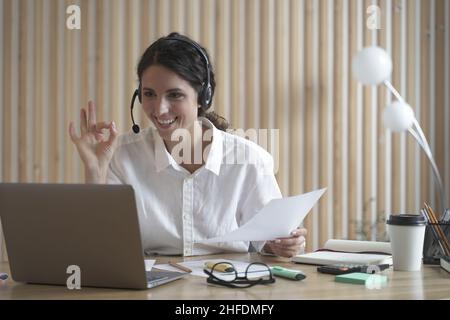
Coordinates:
<point>193,67</point>
<point>182,199</point>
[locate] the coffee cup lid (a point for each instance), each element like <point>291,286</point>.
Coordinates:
<point>407,220</point>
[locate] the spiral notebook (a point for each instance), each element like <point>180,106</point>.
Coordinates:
<point>348,252</point>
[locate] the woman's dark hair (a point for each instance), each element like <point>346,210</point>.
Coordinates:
<point>185,60</point>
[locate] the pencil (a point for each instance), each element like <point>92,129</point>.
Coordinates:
<point>433,230</point>
<point>441,233</point>
<point>179,266</point>
<point>435,226</point>
<point>438,229</point>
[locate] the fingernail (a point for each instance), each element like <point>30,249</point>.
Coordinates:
<point>277,241</point>
<point>113,124</point>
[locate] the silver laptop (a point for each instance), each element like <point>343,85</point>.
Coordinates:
<point>49,227</point>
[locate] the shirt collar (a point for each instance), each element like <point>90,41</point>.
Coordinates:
<point>215,155</point>
<point>163,158</point>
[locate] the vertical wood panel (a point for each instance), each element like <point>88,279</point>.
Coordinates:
<point>68,98</point>
<point>25,52</point>
<point>388,134</point>
<point>324,115</point>
<point>177,23</point>
<point>411,98</point>
<point>207,26</point>
<point>425,92</point>
<point>366,149</point>
<point>439,121</point>
<point>432,97</point>
<point>222,95</point>
<point>147,29</point>
<point>374,144</point>
<point>446,177</point>
<point>315,129</point>
<point>309,109</point>
<point>281,108</point>
<point>2,24</point>
<point>252,61</point>
<point>355,31</point>
<point>37,87</point>
<point>77,96</point>
<point>338,125</point>
<point>403,91</point>
<point>3,254</point>
<point>45,90</point>
<point>57,128</point>
<point>60,92</point>
<point>345,76</point>
<point>132,53</point>
<point>193,20</point>
<point>10,84</point>
<point>162,24</point>
<point>237,65</point>
<point>297,98</point>
<point>382,137</point>
<point>418,101</point>
<point>330,97</point>
<point>117,55</point>
<point>396,81</point>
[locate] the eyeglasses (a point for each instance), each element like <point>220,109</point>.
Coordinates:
<point>225,274</point>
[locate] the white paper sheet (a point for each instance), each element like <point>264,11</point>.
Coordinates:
<point>277,219</point>
<point>197,267</point>
<point>149,264</point>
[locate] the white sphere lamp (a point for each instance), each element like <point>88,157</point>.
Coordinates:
<point>398,116</point>
<point>372,66</point>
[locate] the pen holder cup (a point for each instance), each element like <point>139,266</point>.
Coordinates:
<point>432,251</point>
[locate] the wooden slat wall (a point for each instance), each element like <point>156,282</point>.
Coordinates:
<point>282,65</point>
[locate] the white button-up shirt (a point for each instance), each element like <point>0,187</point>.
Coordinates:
<point>177,208</point>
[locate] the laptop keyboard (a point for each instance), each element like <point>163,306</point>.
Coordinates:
<point>151,276</point>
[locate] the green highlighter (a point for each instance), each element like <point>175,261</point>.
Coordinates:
<point>362,278</point>
<point>288,273</point>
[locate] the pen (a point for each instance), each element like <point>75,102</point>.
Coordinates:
<point>288,273</point>
<point>179,266</point>
<point>221,267</point>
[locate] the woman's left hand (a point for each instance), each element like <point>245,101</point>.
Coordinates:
<point>287,246</point>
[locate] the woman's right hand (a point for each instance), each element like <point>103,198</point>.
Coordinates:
<point>95,150</point>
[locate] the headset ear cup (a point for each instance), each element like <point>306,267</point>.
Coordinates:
<point>206,96</point>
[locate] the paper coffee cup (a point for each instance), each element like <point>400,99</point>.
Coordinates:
<point>406,232</point>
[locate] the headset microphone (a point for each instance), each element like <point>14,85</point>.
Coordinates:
<point>136,128</point>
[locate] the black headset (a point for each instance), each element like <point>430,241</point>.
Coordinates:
<point>206,93</point>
